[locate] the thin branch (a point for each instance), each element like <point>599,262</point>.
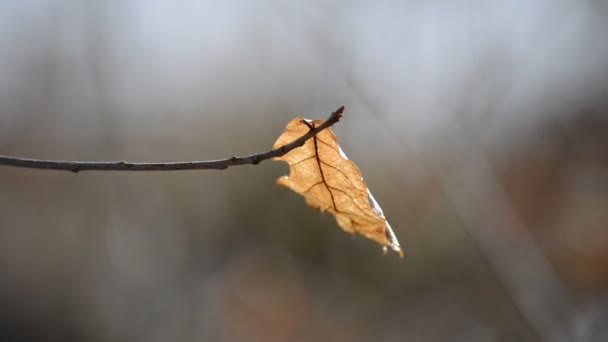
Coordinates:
<point>220,164</point>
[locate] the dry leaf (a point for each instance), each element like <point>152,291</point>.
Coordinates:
<point>321,172</point>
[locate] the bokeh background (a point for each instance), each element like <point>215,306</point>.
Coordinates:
<point>480,126</point>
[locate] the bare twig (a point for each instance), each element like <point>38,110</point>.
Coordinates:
<point>220,164</point>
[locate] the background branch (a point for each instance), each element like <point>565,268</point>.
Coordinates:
<point>220,164</point>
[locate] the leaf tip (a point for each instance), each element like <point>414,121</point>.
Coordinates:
<point>396,249</point>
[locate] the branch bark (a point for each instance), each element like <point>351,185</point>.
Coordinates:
<point>220,164</point>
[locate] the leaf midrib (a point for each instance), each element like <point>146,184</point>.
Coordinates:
<point>331,194</point>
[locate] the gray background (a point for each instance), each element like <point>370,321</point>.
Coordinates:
<point>481,128</point>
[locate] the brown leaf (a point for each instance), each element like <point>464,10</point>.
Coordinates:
<point>321,172</point>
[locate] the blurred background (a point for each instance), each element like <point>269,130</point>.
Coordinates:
<point>480,126</point>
